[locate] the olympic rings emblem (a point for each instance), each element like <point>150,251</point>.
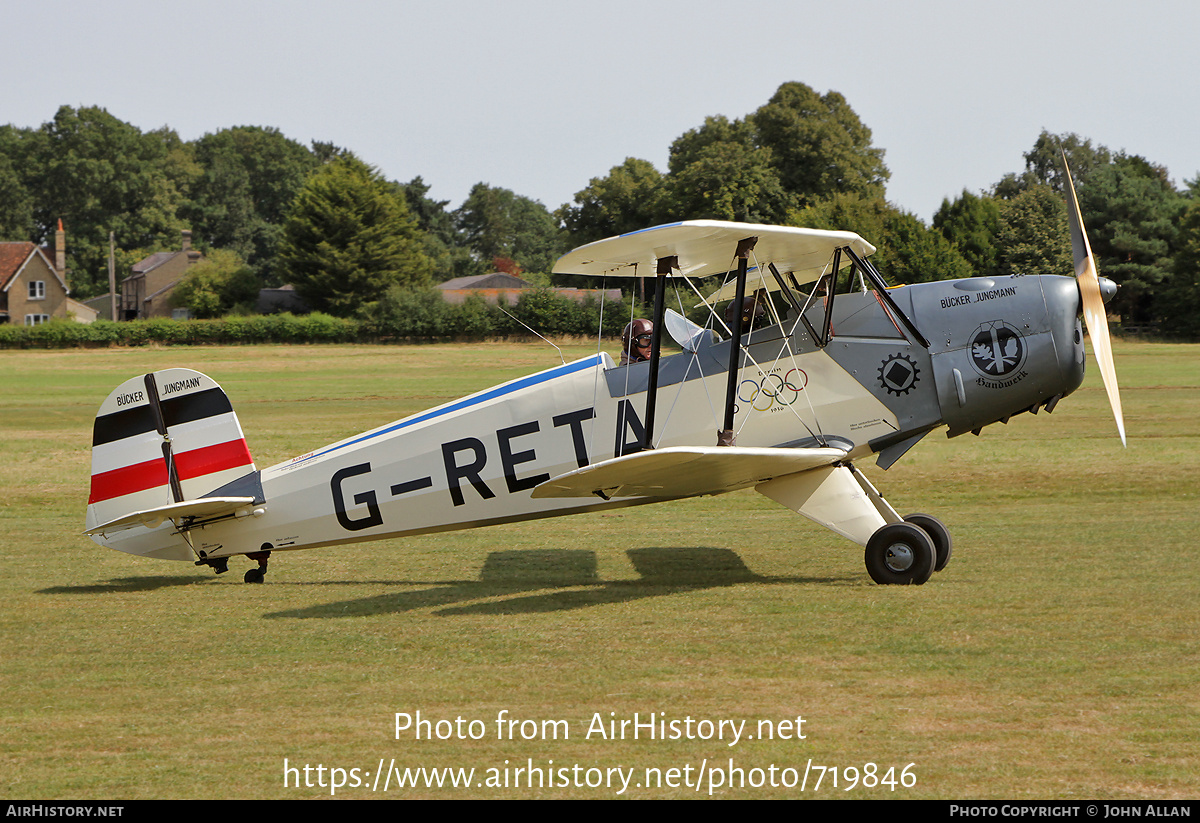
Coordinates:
<point>773,390</point>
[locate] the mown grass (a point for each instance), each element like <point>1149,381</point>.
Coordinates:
<point>1056,657</point>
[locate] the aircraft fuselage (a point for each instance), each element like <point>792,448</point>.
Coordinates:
<point>998,346</point>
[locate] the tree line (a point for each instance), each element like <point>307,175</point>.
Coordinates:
<point>267,210</point>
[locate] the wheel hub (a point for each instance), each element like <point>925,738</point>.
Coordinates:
<point>899,557</point>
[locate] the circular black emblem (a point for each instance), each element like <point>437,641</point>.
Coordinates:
<point>898,374</point>
<point>997,349</point>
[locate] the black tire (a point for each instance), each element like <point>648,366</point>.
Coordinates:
<point>938,533</point>
<point>900,553</point>
<point>254,576</point>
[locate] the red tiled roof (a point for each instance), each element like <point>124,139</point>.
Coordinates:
<point>12,257</point>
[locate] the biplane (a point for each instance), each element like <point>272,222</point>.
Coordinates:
<point>839,368</point>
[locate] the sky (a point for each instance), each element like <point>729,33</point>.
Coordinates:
<point>540,97</point>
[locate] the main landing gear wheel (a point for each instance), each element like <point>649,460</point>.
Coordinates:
<point>938,533</point>
<point>900,553</point>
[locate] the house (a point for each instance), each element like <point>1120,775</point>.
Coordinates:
<point>101,306</point>
<point>492,287</point>
<point>33,281</point>
<point>147,292</point>
<point>81,312</point>
<point>282,299</point>
<point>499,286</point>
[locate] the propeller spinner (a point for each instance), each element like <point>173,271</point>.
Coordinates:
<point>1092,300</point>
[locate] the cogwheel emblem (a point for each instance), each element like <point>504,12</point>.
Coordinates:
<point>899,374</point>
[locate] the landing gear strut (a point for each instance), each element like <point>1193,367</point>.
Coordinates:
<point>256,575</point>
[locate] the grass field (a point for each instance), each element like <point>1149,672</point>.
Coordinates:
<point>1057,656</point>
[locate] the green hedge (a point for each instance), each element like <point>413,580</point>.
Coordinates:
<point>401,316</point>
<point>278,328</point>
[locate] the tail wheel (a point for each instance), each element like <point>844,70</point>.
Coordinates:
<point>257,575</point>
<point>938,533</point>
<point>900,553</point>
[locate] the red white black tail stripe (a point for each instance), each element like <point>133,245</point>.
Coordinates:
<point>163,438</point>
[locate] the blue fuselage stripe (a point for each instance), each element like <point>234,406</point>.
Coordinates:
<point>467,402</point>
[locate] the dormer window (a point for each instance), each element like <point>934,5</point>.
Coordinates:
<point>37,289</point>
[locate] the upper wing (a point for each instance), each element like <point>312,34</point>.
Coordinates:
<point>685,471</point>
<point>706,247</point>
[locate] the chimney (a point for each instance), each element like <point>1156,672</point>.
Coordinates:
<point>60,251</point>
<point>187,239</point>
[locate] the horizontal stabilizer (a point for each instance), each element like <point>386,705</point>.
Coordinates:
<point>679,471</point>
<point>206,509</point>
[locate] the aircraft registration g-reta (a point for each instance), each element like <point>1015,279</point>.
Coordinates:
<point>840,367</point>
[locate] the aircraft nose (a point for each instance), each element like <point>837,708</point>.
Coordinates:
<point>1064,304</point>
<point>1107,288</point>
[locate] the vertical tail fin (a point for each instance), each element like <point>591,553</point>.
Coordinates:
<point>161,439</point>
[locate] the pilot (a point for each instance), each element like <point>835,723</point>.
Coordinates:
<point>752,310</point>
<point>635,341</point>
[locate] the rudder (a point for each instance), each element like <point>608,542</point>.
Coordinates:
<point>160,439</point>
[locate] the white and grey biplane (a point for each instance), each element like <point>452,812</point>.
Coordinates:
<point>840,368</point>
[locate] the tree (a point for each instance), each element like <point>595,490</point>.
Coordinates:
<point>249,178</point>
<point>718,129</point>
<point>798,149</point>
<point>100,174</point>
<point>219,284</point>
<point>818,145</point>
<point>728,181</point>
<point>867,216</point>
<point>1033,236</point>
<point>971,224</point>
<point>1043,164</point>
<point>919,254</point>
<point>908,250</point>
<point>16,205</point>
<point>1192,188</point>
<point>1132,212</point>
<point>496,223</point>
<point>348,238</point>
<point>444,243</point>
<point>1178,299</point>
<point>629,198</point>
<point>1129,206</point>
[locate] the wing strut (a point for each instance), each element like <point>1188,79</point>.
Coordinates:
<point>726,437</point>
<point>665,264</point>
<point>881,290</point>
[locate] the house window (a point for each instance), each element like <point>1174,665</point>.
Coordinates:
<point>36,319</point>
<point>37,289</point>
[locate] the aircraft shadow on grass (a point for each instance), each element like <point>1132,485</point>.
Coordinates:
<point>532,581</point>
<point>130,584</point>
